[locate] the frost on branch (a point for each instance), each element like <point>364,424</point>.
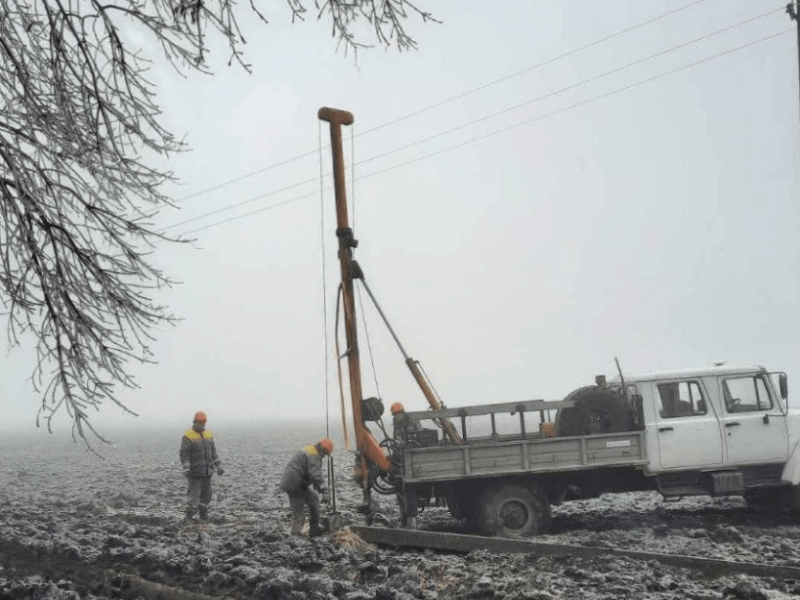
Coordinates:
<point>79,127</point>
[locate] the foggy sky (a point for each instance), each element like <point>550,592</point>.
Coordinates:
<point>648,215</point>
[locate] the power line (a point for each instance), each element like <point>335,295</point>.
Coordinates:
<point>534,67</point>
<point>270,207</point>
<point>248,175</point>
<point>237,204</point>
<point>481,119</point>
<point>450,99</point>
<point>569,87</point>
<point>503,130</point>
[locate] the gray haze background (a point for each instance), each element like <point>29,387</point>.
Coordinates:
<point>657,224</point>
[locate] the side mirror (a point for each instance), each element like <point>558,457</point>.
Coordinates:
<point>783,383</point>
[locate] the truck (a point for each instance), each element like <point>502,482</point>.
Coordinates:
<point>718,431</point>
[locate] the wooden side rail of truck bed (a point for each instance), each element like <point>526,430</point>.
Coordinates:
<point>522,450</point>
<point>528,456</point>
<point>541,408</point>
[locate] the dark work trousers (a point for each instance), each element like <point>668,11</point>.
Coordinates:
<point>298,502</point>
<point>198,494</point>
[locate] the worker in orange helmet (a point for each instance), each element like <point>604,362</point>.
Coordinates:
<point>398,417</point>
<point>199,460</point>
<point>302,479</point>
<point>400,421</point>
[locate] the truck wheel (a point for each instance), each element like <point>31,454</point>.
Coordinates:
<point>596,410</point>
<point>512,510</point>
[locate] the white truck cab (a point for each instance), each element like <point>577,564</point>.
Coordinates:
<point>715,417</point>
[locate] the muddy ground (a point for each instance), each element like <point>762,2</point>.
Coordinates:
<point>73,526</point>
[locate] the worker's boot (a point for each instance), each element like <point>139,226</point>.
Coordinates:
<point>203,513</point>
<point>189,514</point>
<point>314,529</point>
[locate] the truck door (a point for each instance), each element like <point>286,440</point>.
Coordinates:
<point>754,428</point>
<point>687,427</point>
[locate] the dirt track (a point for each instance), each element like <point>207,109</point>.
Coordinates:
<point>73,526</point>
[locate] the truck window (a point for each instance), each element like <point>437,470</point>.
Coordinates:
<point>681,399</point>
<point>746,394</point>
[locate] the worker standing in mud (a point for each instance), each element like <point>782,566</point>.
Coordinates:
<point>199,460</point>
<point>301,477</point>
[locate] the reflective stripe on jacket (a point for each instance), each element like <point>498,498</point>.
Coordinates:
<point>304,469</point>
<point>198,453</point>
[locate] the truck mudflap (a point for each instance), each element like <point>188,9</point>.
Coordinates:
<point>791,474</point>
<point>794,498</point>
<point>791,471</point>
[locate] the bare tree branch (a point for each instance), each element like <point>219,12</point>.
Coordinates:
<point>77,119</point>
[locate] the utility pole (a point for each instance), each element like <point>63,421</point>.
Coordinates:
<point>794,14</point>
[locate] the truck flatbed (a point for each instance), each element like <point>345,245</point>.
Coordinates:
<point>484,457</point>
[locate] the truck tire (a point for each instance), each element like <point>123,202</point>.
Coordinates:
<point>596,410</point>
<point>512,510</point>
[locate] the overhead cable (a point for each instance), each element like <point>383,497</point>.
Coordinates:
<point>498,131</point>
<point>478,120</point>
<point>448,100</point>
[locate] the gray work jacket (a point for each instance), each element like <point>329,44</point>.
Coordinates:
<point>304,469</point>
<point>199,454</point>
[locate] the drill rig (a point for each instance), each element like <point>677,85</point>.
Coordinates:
<point>634,433</point>
<point>375,469</point>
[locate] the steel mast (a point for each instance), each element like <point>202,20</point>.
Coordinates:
<point>366,444</point>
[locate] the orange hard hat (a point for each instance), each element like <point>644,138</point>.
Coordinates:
<point>200,416</point>
<point>326,445</point>
<point>397,407</point>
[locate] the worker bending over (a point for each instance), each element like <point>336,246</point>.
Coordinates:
<point>302,476</point>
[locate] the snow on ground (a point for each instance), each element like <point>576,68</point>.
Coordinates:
<point>75,526</point>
